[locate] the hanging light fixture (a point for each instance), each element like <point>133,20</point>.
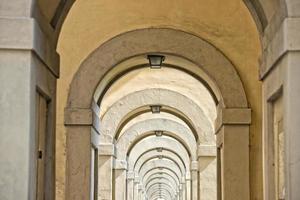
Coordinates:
<point>155,109</point>
<point>158,133</point>
<point>155,61</point>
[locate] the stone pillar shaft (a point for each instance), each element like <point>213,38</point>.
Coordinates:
<point>105,175</point>
<point>233,140</point>
<point>120,184</point>
<point>188,189</point>
<point>130,186</point>
<point>136,190</point>
<point>194,176</point>
<point>182,191</point>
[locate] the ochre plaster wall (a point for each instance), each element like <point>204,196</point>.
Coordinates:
<point>227,25</point>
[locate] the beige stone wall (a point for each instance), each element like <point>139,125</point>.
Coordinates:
<point>227,25</point>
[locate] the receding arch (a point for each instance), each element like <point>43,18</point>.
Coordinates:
<point>172,169</point>
<point>156,154</point>
<point>133,102</point>
<point>166,158</point>
<point>164,191</point>
<point>159,196</point>
<point>164,175</point>
<point>152,151</point>
<point>146,135</point>
<point>80,99</point>
<point>144,41</point>
<point>156,143</point>
<point>161,180</point>
<point>166,186</point>
<point>160,164</point>
<point>158,171</point>
<point>140,130</point>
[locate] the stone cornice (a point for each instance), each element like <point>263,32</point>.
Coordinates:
<point>285,40</point>
<point>26,34</point>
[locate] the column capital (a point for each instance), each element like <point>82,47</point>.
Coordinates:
<point>194,166</point>
<point>180,187</point>
<point>120,164</point>
<point>136,179</point>
<point>188,176</point>
<point>106,149</point>
<point>95,137</point>
<point>183,180</point>
<point>130,175</point>
<point>207,151</point>
<point>232,116</point>
<point>140,187</point>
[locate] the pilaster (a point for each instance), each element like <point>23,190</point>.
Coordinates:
<point>29,67</point>
<point>233,140</point>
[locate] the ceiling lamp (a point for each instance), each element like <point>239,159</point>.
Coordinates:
<point>155,61</point>
<point>155,109</point>
<point>158,133</point>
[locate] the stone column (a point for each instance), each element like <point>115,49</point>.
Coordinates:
<point>29,66</point>
<point>181,191</point>
<point>136,188</point>
<point>120,179</point>
<point>233,139</point>
<point>105,175</point>
<point>188,186</point>
<point>207,171</point>
<point>143,195</point>
<point>195,179</point>
<point>130,185</point>
<point>81,130</point>
<point>140,192</point>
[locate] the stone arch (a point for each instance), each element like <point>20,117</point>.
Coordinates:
<point>159,164</point>
<point>133,103</point>
<point>155,154</point>
<point>164,187</point>
<point>158,180</point>
<point>154,151</point>
<point>164,182</point>
<point>168,176</point>
<point>81,108</point>
<point>139,130</point>
<point>156,196</point>
<point>154,143</point>
<point>152,189</point>
<point>169,168</point>
<point>165,170</point>
<point>144,41</point>
<point>182,170</point>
